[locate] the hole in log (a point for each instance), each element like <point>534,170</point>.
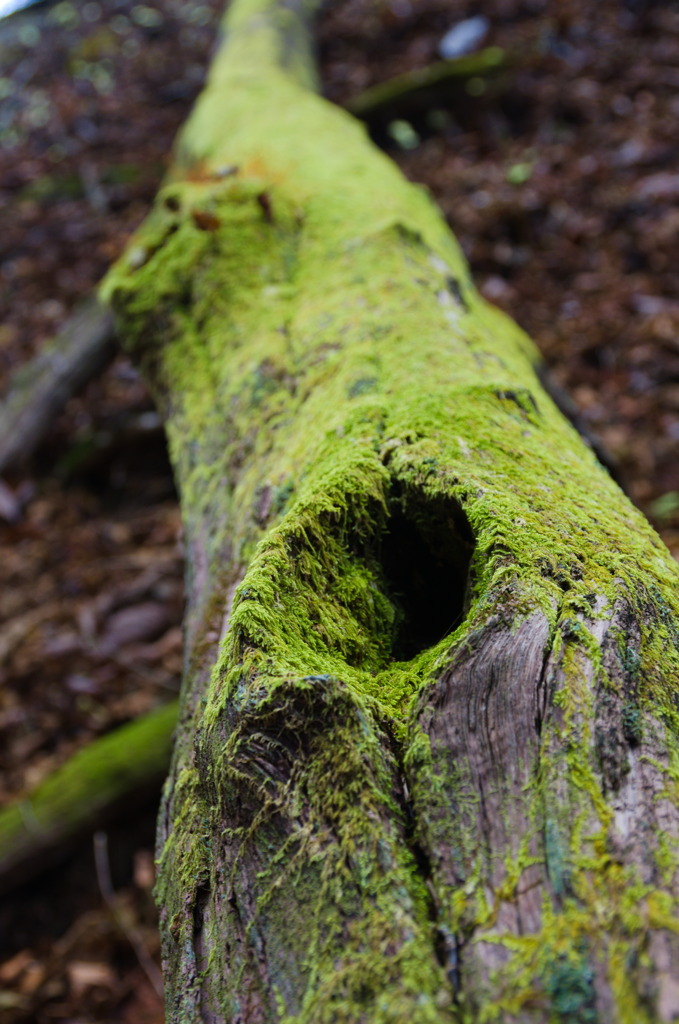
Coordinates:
<point>367,592</point>
<point>425,556</point>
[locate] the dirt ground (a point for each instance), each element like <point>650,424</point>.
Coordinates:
<point>561,180</point>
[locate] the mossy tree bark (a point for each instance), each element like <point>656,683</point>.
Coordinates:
<point>427,760</point>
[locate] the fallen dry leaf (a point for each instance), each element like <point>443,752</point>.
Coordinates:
<point>83,974</point>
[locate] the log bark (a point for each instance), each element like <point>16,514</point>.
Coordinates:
<point>427,757</point>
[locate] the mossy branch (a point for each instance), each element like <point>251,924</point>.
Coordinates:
<point>429,88</point>
<point>117,771</point>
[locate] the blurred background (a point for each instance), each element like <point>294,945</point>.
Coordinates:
<point>549,138</point>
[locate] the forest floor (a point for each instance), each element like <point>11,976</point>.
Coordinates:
<point>561,182</point>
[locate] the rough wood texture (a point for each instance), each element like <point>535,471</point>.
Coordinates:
<point>432,651</point>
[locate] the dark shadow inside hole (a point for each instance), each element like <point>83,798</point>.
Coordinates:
<point>425,555</point>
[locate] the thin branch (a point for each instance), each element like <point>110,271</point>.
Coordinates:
<point>123,767</point>
<point>39,390</point>
<point>112,901</point>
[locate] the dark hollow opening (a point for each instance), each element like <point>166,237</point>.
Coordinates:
<point>425,555</point>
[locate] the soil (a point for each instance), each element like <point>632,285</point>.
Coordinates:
<point>560,180</point>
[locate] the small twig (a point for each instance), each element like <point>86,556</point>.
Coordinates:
<point>112,901</point>
<point>103,868</point>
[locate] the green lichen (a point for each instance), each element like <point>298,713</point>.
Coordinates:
<point>569,985</point>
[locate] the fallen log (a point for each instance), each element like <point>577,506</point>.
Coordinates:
<point>426,768</point>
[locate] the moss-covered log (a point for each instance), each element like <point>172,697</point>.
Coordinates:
<point>427,761</point>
